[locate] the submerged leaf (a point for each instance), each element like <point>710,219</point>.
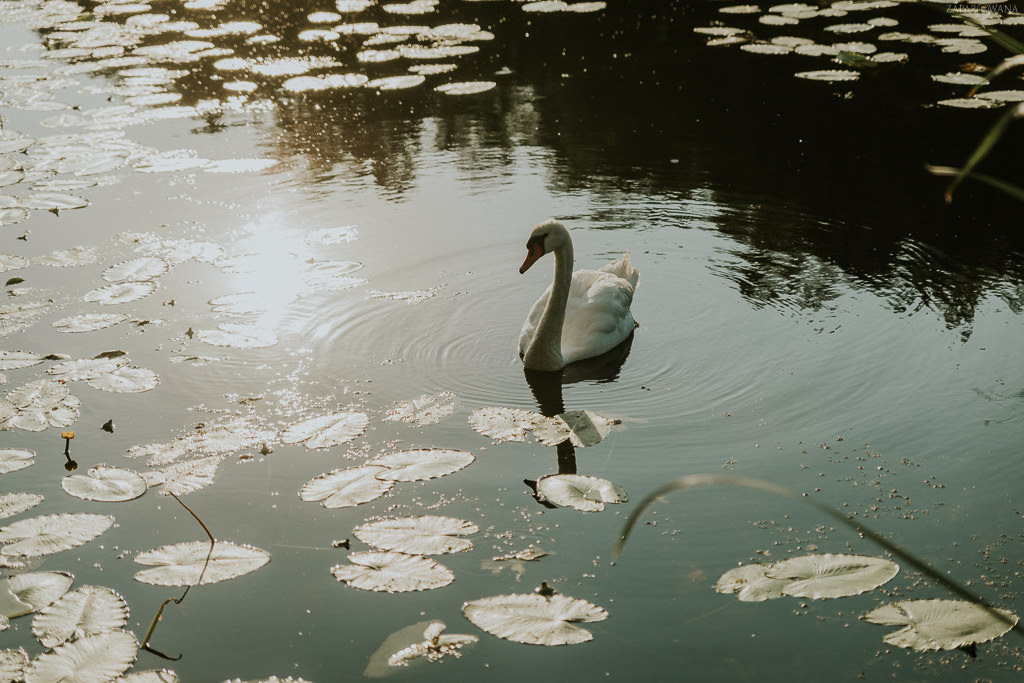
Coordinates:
<point>14,459</point>
<point>52,533</point>
<point>120,293</point>
<point>182,564</point>
<point>420,464</point>
<point>504,424</point>
<point>588,494</point>
<point>425,410</point>
<point>101,657</point>
<point>428,535</point>
<point>184,477</point>
<point>324,431</point>
<point>105,483</point>
<point>392,572</point>
<point>89,322</point>
<point>581,427</point>
<point>423,640</point>
<point>347,487</point>
<point>534,619</point>
<point>940,624</point>
<point>15,503</point>
<point>83,612</point>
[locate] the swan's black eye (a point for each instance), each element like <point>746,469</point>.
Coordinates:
<point>537,240</point>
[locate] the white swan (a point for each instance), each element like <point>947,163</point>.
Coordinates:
<point>582,314</point>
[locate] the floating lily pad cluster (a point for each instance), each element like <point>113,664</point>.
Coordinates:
<point>857,35</point>
<point>928,624</point>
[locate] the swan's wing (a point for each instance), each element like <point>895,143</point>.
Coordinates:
<point>597,317</point>
<point>623,268</point>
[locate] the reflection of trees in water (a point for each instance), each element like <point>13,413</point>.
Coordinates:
<point>631,107</point>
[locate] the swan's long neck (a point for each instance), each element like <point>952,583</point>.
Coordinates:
<point>545,353</point>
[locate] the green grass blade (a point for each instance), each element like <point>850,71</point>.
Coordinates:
<point>984,147</point>
<point>1009,188</point>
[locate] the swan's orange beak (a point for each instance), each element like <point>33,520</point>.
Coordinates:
<point>533,252</point>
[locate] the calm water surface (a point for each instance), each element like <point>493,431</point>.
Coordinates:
<point>810,313</point>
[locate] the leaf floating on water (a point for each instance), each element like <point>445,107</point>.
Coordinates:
<point>25,593</point>
<point>420,464</point>
<point>184,477</point>
<point>810,576</point>
<point>107,484</point>
<point>136,270</point>
<point>13,664</point>
<point>13,360</point>
<point>396,82</point>
<point>86,368</point>
<point>425,640</point>
<point>831,75</point>
<point>182,564</point>
<point>11,215</point>
<point>120,293</point>
<point>346,487</point>
<point>100,657</point>
<point>15,503</point>
<point>504,424</point>
<point>750,581</point>
<point>940,624</point>
<point>392,572</point>
<point>466,88</point>
<point>534,619</point>
<point>428,535</point>
<point>422,411</point>
<point>126,380</point>
<point>54,201</point>
<point>63,258</point>
<point>238,336</point>
<point>151,676</point>
<point>578,491</point>
<point>14,459</point>
<point>581,427</point>
<point>324,431</point>
<point>832,575</point>
<point>49,534</point>
<point>83,612</point>
<point>89,322</point>
<point>271,679</point>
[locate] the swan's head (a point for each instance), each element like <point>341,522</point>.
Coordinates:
<point>546,237</point>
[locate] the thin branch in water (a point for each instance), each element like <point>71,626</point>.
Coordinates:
<point>698,480</point>
<point>177,601</point>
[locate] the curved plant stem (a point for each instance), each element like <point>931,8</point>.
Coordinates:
<point>698,480</point>
<point>177,601</point>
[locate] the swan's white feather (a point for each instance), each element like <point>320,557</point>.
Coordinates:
<point>597,315</point>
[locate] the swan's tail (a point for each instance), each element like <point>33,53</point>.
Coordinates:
<point>623,268</point>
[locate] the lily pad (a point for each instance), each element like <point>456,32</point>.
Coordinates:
<point>427,535</point>
<point>100,657</point>
<point>504,424</point>
<point>120,293</point>
<point>13,664</point>
<point>107,484</point>
<point>14,459</point>
<point>392,572</point>
<point>238,336</point>
<point>425,410</point>
<point>581,427</point>
<point>420,464</point>
<point>89,322</point>
<point>25,593</point>
<point>581,492</point>
<point>125,380</point>
<point>184,477</point>
<point>534,619</point>
<point>63,258</point>
<point>940,624</point>
<point>49,534</point>
<point>136,270</point>
<point>346,487</point>
<point>83,612</point>
<point>751,583</point>
<point>13,360</point>
<point>465,88</point>
<point>832,575</point>
<point>15,503</point>
<point>87,368</point>
<point>182,564</point>
<point>324,431</point>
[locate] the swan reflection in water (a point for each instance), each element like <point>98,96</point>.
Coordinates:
<point>546,387</point>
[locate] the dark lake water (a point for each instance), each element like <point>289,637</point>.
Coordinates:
<point>811,313</point>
